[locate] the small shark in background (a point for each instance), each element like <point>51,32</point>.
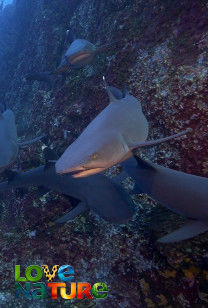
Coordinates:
<point>80,53</point>
<point>109,138</point>
<point>97,193</point>
<point>9,145</point>
<point>183,193</point>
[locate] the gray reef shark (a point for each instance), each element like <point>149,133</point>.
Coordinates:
<point>9,145</point>
<point>109,138</point>
<point>183,193</point>
<point>97,193</point>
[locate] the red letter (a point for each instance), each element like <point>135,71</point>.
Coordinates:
<point>54,286</point>
<point>86,291</point>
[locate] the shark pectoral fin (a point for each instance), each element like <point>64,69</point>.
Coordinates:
<point>158,141</point>
<point>189,230</point>
<point>79,209</point>
<point>23,144</point>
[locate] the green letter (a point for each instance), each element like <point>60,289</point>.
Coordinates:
<point>19,289</point>
<point>38,270</point>
<point>41,292</point>
<point>17,274</point>
<point>101,288</point>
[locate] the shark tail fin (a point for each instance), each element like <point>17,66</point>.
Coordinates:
<point>157,141</point>
<point>189,230</point>
<point>23,144</point>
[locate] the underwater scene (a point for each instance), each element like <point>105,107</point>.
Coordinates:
<point>104,153</point>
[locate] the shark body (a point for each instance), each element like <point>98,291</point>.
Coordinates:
<point>97,193</point>
<point>9,145</point>
<point>184,194</point>
<point>110,138</point>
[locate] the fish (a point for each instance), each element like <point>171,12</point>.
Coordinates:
<point>97,193</point>
<point>79,53</point>
<point>9,144</point>
<point>183,193</point>
<point>110,138</point>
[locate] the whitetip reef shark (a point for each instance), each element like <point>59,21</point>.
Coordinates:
<point>110,138</point>
<point>9,145</point>
<point>80,53</point>
<point>97,193</point>
<point>182,193</point>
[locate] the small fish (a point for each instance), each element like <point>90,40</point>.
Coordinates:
<point>184,194</point>
<point>9,144</point>
<point>97,192</point>
<point>109,138</point>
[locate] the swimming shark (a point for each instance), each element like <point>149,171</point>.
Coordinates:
<point>182,193</point>
<point>97,193</point>
<point>79,53</point>
<point>9,144</point>
<point>110,138</point>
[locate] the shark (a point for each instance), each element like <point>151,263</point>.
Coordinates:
<point>80,52</point>
<point>9,144</point>
<point>110,138</point>
<point>97,193</point>
<point>185,194</point>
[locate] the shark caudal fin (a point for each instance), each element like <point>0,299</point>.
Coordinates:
<point>189,230</point>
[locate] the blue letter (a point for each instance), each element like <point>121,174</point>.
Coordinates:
<point>66,270</point>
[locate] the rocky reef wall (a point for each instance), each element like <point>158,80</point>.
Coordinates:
<point>159,50</point>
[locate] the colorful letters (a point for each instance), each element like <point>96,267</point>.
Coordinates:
<point>30,288</point>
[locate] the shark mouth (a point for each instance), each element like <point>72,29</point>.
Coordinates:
<point>82,171</point>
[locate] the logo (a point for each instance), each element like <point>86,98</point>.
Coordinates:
<point>31,287</point>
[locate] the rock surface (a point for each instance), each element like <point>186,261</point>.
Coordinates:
<point>159,50</point>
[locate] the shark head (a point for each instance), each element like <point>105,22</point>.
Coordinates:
<point>106,141</point>
<point>64,65</point>
<point>103,151</point>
